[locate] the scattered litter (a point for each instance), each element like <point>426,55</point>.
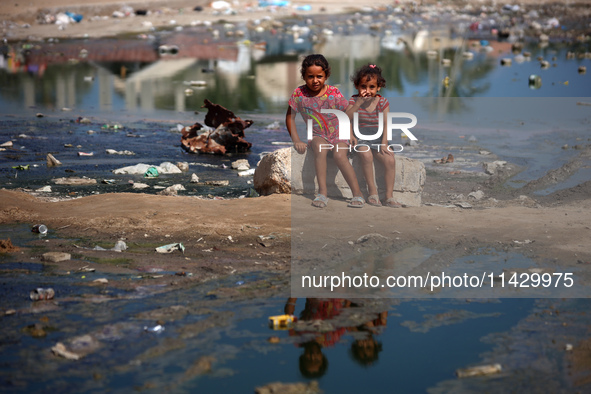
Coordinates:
<point>7,144</point>
<point>121,152</point>
<point>21,167</point>
<point>240,283</point>
<point>156,329</point>
<point>445,160</point>
<point>151,172</point>
<point>170,248</point>
<point>120,246</point>
<point>40,294</point>
<point>44,189</point>
<point>163,168</point>
<point>480,370</point>
<point>109,181</point>
<point>60,350</point>
<point>101,280</point>
<point>85,154</point>
<point>247,172</point>
<point>39,229</point>
<point>525,242</point>
<point>281,321</point>
<point>568,347</point>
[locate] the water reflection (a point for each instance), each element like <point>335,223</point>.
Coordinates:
<point>178,70</point>
<point>318,328</point>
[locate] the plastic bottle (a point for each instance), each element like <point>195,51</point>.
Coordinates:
<point>41,293</point>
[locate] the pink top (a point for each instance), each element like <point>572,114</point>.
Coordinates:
<point>323,125</point>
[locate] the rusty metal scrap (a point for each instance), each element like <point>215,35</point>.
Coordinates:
<point>228,135</point>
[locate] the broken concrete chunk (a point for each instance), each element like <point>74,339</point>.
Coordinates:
<point>75,181</point>
<point>477,195</point>
<point>52,161</point>
<point>56,257</point>
<point>241,165</point>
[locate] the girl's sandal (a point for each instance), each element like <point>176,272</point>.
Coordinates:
<point>392,203</point>
<point>374,200</point>
<point>320,201</point>
<point>356,202</point>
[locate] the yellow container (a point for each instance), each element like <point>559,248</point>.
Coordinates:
<point>280,322</point>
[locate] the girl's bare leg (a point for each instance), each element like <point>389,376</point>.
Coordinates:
<point>320,163</point>
<point>389,162</point>
<point>341,160</point>
<point>367,167</point>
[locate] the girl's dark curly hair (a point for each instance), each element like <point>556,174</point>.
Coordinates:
<point>366,72</point>
<point>315,60</point>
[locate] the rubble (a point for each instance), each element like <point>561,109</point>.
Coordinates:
<point>227,137</point>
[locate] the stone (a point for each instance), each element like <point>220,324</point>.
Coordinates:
<point>194,178</point>
<point>491,168</point>
<point>183,166</point>
<point>286,171</point>
<point>56,257</point>
<point>273,172</point>
<point>477,195</point>
<point>241,165</point>
<point>74,181</point>
<point>52,161</point>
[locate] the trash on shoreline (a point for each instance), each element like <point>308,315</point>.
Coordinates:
<point>445,160</point>
<point>141,169</point>
<point>480,370</point>
<point>121,152</point>
<point>120,246</point>
<point>170,248</point>
<point>228,135</point>
<point>40,294</point>
<point>39,229</point>
<point>280,322</point>
<point>156,329</point>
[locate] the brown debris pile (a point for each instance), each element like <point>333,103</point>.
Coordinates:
<point>228,135</point>
<point>445,160</point>
<point>6,246</point>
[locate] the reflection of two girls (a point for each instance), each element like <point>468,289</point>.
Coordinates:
<point>312,362</point>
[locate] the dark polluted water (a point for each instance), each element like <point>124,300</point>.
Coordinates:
<point>157,338</point>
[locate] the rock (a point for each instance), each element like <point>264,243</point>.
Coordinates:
<point>286,171</point>
<point>183,166</point>
<point>139,186</point>
<point>44,189</point>
<point>7,144</point>
<point>492,168</point>
<point>218,183</point>
<point>74,181</point>
<point>52,161</point>
<point>463,205</point>
<point>194,178</point>
<point>273,172</point>
<point>241,165</point>
<point>477,195</point>
<point>172,190</point>
<point>56,257</point>
<point>480,370</point>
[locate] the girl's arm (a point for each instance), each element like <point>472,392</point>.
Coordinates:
<point>299,146</point>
